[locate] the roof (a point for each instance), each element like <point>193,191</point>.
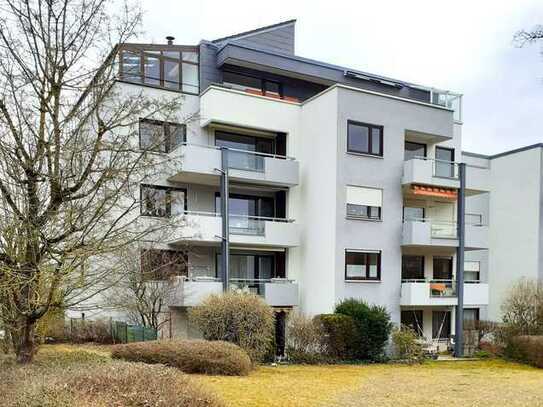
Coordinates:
<point>256,31</point>
<point>509,152</point>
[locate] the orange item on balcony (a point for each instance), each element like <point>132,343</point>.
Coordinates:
<point>425,190</point>
<point>438,287</point>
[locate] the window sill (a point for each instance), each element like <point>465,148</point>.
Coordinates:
<point>363,281</point>
<point>363,219</point>
<point>364,154</point>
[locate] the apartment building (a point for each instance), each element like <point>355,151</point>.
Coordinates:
<point>341,183</point>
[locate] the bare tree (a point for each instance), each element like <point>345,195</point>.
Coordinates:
<point>148,283</point>
<point>69,166</point>
<point>524,37</point>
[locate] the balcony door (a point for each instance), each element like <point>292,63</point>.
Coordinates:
<point>441,324</point>
<point>245,160</point>
<point>444,162</point>
<point>412,267</point>
<point>243,210</point>
<point>413,150</point>
<point>443,268</point>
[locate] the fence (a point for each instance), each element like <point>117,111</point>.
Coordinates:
<point>80,330</point>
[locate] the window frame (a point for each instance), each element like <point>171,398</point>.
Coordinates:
<point>369,126</point>
<point>146,252</point>
<point>263,82</point>
<point>418,144</point>
<point>165,134</point>
<point>366,253</point>
<point>255,198</point>
<point>478,272</point>
<point>423,264</point>
<point>367,216</point>
<point>168,199</point>
<point>158,51</point>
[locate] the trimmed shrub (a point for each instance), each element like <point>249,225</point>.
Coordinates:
<point>83,331</point>
<point>527,349</point>
<point>114,384</point>
<point>373,324</point>
<point>341,335</point>
<point>406,345</point>
<point>194,356</point>
<point>240,318</point>
<point>305,340</point>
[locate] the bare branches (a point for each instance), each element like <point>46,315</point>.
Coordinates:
<point>523,37</point>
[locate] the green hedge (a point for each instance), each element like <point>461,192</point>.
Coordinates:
<point>527,349</point>
<point>341,335</point>
<point>373,325</point>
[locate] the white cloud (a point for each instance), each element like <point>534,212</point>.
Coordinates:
<point>462,45</point>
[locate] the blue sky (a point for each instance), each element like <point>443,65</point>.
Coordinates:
<point>464,46</point>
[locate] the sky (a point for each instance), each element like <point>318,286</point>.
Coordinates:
<point>459,45</point>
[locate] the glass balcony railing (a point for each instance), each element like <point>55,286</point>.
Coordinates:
<point>255,286</point>
<point>442,288</point>
<point>443,229</point>
<point>245,160</point>
<point>246,225</point>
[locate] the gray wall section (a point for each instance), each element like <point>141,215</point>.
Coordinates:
<point>208,66</point>
<point>278,39</point>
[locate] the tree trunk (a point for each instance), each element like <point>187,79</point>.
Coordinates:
<point>24,341</point>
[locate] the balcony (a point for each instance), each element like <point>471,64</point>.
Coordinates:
<point>191,292</point>
<point>444,174</point>
<point>426,171</point>
<point>441,293</point>
<point>199,163</point>
<point>206,228</point>
<point>220,105</point>
<point>432,233</point>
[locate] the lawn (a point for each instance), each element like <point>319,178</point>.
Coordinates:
<point>466,383</point>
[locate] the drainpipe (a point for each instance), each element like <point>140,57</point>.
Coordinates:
<point>225,238</point>
<point>461,209</point>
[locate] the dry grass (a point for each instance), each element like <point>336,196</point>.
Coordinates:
<point>479,383</point>
<point>65,376</point>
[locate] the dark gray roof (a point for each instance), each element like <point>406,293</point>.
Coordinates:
<point>514,151</point>
<point>255,31</point>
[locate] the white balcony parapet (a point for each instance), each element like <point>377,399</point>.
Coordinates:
<point>277,292</point>
<point>439,233</point>
<point>247,230</point>
<point>441,293</point>
<point>193,160</point>
<point>432,172</point>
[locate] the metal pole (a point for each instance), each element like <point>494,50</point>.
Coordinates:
<point>225,244</point>
<point>461,209</point>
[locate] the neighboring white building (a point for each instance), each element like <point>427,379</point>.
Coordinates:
<point>342,184</point>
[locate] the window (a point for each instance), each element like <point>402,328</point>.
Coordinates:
<point>162,264</point>
<point>240,159</point>
<point>244,212</point>
<point>445,166</point>
<point>364,138</point>
<point>412,267</point>
<point>364,203</point>
<point>160,136</point>
<point>362,265</point>
<point>177,70</point>
<point>412,150</point>
<point>162,201</point>
<point>472,271</point>
<point>441,324</point>
<point>414,320</point>
<point>411,213</point>
<point>471,314</point>
<point>443,268</point>
<point>253,83</point>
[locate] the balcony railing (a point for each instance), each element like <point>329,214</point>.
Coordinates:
<point>255,285</point>
<point>441,168</point>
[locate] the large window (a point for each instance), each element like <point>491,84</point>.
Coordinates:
<point>364,203</point>
<point>244,159</point>
<point>160,136</point>
<point>362,265</point>
<point>412,267</point>
<point>471,315</point>
<point>364,138</point>
<point>262,86</point>
<point>441,324</point>
<point>443,268</point>
<point>244,212</point>
<point>175,69</point>
<point>162,264</point>
<point>413,150</point>
<point>162,201</point>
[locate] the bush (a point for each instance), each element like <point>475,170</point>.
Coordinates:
<point>527,349</point>
<point>523,309</point>
<point>114,384</point>
<point>373,324</point>
<point>240,318</point>
<point>341,335</point>
<point>84,331</point>
<point>305,340</point>
<point>406,345</point>
<point>195,356</point>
